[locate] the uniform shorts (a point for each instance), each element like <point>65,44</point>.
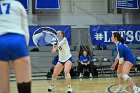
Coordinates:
<point>70,59</point>
<point>12,47</point>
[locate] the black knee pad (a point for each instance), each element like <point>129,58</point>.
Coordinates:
<point>24,87</point>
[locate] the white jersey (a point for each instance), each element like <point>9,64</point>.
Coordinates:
<point>117,56</point>
<point>64,50</point>
<point>13,18</point>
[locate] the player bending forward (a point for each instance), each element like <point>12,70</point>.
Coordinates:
<point>65,61</point>
<point>127,59</point>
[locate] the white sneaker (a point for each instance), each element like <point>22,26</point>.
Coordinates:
<point>81,76</point>
<point>69,90</point>
<point>90,76</point>
<point>120,90</point>
<point>137,90</point>
<point>51,88</point>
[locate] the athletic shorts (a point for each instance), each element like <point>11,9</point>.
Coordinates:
<point>70,59</point>
<point>133,61</point>
<point>12,47</point>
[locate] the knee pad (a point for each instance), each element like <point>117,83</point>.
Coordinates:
<point>119,75</point>
<point>125,77</point>
<point>121,60</point>
<point>67,76</point>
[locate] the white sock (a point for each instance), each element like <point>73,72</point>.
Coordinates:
<point>134,87</point>
<point>90,74</point>
<point>69,86</point>
<point>121,86</point>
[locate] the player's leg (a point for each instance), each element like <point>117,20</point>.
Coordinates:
<point>119,73</point>
<point>89,67</point>
<point>126,69</point>
<point>58,68</point>
<point>120,79</point>
<point>67,68</point>
<point>21,62</point>
<point>22,68</point>
<point>4,64</point>
<point>4,77</point>
<point>81,70</point>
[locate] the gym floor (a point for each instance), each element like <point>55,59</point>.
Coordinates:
<point>95,85</point>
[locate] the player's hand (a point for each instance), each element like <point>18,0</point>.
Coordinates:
<point>86,64</point>
<point>53,51</point>
<point>55,46</point>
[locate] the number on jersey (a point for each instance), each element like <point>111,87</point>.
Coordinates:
<point>4,8</point>
<point>60,48</point>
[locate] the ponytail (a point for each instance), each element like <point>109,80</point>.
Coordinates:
<point>121,40</point>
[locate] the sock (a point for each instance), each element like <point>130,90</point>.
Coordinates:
<point>134,87</point>
<point>121,86</point>
<point>90,74</point>
<point>24,87</point>
<point>69,86</point>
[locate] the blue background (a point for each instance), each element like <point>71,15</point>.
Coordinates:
<point>66,29</point>
<point>25,3</point>
<point>47,4</point>
<point>131,4</point>
<point>109,29</point>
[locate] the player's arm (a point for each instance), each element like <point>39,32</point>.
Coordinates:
<point>116,60</point>
<point>115,63</point>
<point>62,42</point>
<point>89,59</point>
<point>25,23</point>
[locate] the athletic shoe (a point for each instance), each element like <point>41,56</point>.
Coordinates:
<point>69,90</point>
<point>90,76</point>
<point>120,90</point>
<point>51,88</point>
<point>81,76</point>
<point>137,90</point>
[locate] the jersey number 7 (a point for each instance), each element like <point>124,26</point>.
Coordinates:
<point>4,8</point>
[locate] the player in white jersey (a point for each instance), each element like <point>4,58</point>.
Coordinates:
<point>14,38</point>
<point>65,61</point>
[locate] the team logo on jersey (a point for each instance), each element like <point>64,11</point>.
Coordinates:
<point>44,36</point>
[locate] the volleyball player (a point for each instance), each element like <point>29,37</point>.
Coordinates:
<point>14,38</point>
<point>65,61</point>
<point>119,71</point>
<point>127,59</point>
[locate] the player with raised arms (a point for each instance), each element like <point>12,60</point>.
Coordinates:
<point>14,38</point>
<point>126,60</point>
<point>65,61</point>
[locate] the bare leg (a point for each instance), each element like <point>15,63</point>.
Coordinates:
<point>58,68</point>
<point>22,68</point>
<point>126,69</point>
<point>67,68</point>
<point>4,77</point>
<point>119,72</point>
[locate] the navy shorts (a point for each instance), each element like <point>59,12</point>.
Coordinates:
<point>70,59</point>
<point>12,47</point>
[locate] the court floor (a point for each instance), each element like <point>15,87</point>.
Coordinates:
<point>95,85</point>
